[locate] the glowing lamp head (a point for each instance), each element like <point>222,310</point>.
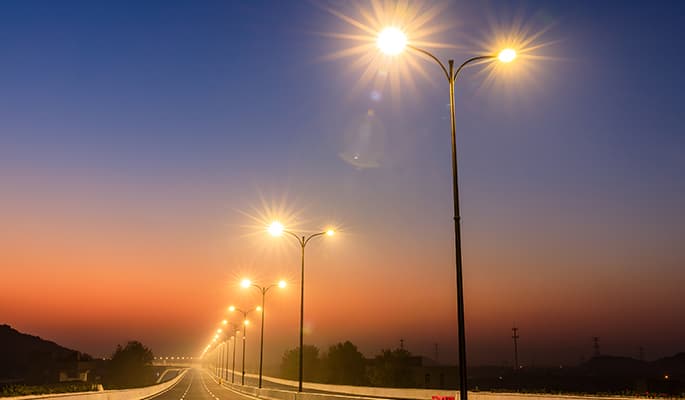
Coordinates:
<point>330,232</point>
<point>507,55</point>
<point>391,41</point>
<point>224,322</point>
<point>218,330</point>
<point>259,308</point>
<point>275,229</point>
<point>231,308</point>
<point>246,283</point>
<point>246,322</point>
<point>282,284</point>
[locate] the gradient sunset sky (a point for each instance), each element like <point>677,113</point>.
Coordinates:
<point>144,145</point>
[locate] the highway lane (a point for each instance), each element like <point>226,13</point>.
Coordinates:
<point>199,385</point>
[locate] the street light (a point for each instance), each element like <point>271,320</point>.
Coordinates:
<point>246,283</point>
<point>233,366</point>
<point>392,41</point>
<point>228,342</point>
<point>245,324</point>
<point>277,229</point>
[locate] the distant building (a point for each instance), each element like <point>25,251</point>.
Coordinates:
<point>78,371</point>
<point>429,374</point>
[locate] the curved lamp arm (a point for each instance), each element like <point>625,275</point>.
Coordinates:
<point>469,61</point>
<point>312,237</point>
<point>426,53</point>
<point>442,66</point>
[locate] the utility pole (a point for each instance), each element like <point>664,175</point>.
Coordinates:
<point>515,336</point>
<point>436,352</point>
<point>401,344</point>
<point>595,345</point>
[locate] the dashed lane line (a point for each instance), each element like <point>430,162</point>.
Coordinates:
<point>228,388</point>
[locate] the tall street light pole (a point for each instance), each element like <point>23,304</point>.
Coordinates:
<point>245,324</point>
<point>246,283</point>
<point>392,41</point>
<point>277,229</point>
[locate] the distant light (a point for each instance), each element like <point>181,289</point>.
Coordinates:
<point>246,283</point>
<point>224,322</point>
<point>246,322</point>
<point>330,232</point>
<point>231,308</point>
<point>507,55</point>
<point>275,229</point>
<point>665,376</point>
<point>282,284</point>
<point>391,41</point>
<point>218,330</point>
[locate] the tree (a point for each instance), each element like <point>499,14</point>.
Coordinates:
<point>130,365</point>
<point>344,365</point>
<point>392,368</point>
<point>290,364</point>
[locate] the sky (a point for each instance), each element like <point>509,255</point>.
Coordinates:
<point>145,146</point>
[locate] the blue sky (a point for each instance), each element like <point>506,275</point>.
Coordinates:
<point>181,116</point>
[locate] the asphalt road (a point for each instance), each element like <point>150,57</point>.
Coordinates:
<point>198,385</point>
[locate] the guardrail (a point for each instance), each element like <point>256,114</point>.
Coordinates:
<point>120,394</point>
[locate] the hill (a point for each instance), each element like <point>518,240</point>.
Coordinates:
<point>29,358</point>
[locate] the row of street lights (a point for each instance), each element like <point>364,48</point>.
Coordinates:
<point>392,41</point>
<point>275,229</point>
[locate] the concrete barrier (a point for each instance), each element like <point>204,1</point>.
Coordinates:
<point>122,394</point>
<point>344,392</point>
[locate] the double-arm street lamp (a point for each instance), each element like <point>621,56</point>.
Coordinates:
<point>277,229</point>
<point>245,324</point>
<point>246,283</point>
<point>392,41</point>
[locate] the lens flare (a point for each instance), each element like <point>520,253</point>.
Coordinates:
<point>275,229</point>
<point>507,55</point>
<point>391,41</point>
<point>373,37</point>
